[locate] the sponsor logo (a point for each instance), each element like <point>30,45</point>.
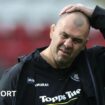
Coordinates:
<point>59,98</point>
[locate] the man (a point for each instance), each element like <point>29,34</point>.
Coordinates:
<point>65,72</point>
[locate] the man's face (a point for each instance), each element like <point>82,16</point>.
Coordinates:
<point>68,38</point>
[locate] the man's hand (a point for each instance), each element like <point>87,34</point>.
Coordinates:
<point>77,7</point>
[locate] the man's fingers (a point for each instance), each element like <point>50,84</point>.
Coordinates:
<point>71,8</point>
<point>77,7</point>
<point>68,10</point>
<point>65,9</point>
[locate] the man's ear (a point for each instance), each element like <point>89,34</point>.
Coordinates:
<point>52,29</point>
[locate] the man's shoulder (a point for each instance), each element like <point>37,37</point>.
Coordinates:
<point>10,76</point>
<point>25,63</point>
<point>96,49</point>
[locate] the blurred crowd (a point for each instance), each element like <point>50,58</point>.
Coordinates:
<point>18,41</point>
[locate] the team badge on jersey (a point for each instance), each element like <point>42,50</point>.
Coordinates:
<point>75,77</point>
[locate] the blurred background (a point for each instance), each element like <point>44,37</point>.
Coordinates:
<point>24,26</point>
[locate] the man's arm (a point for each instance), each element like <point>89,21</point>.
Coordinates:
<point>97,19</point>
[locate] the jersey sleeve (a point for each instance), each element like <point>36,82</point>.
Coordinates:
<point>98,22</point>
<point>98,19</point>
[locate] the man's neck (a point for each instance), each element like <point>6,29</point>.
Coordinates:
<point>48,57</point>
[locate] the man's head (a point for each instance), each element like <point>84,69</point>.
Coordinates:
<point>68,38</point>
